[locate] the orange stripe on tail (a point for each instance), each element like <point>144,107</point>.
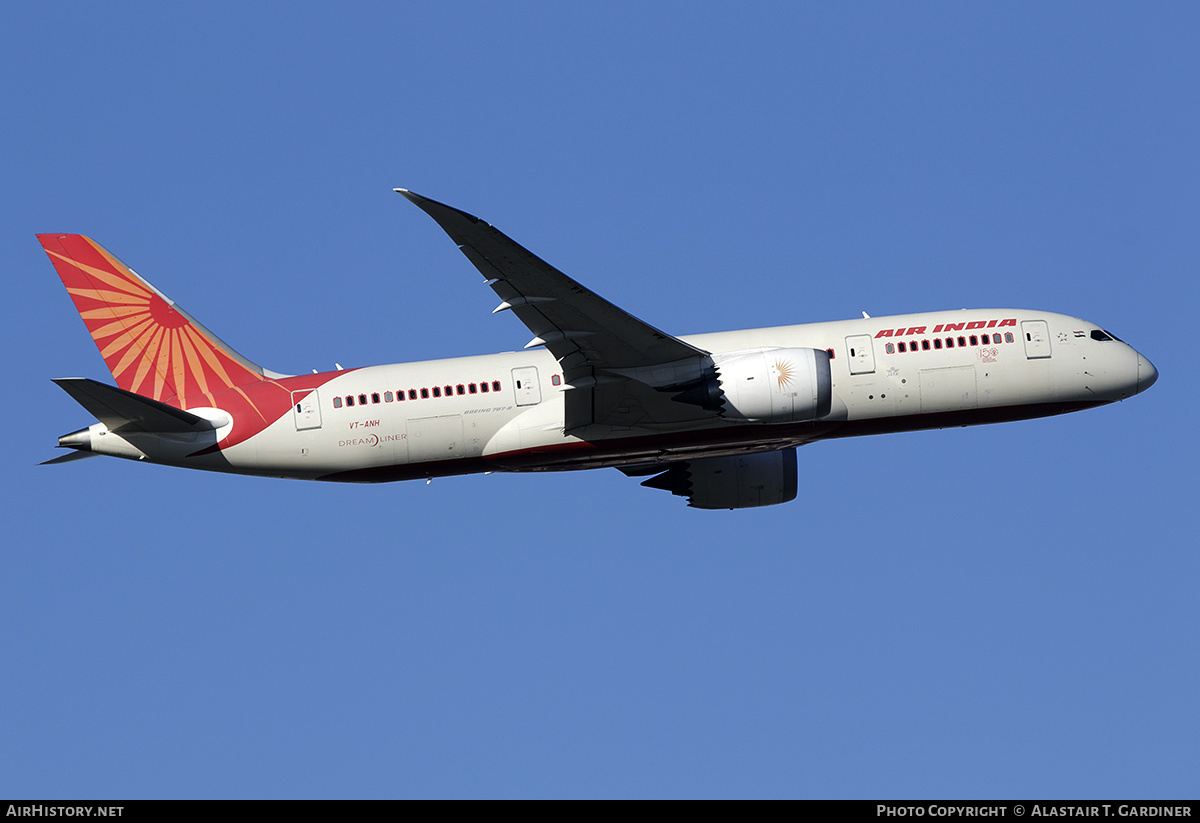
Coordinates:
<point>151,346</point>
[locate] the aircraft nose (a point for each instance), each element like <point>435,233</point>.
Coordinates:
<point>1147,374</point>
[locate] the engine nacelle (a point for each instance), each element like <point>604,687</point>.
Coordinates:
<point>775,385</point>
<point>737,482</point>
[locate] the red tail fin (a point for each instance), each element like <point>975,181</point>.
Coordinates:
<point>151,346</point>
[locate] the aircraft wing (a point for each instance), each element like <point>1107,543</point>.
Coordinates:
<point>621,372</point>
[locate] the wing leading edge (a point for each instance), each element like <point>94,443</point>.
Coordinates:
<point>620,371</point>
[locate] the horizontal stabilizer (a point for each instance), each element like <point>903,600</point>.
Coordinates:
<point>67,458</point>
<point>122,410</point>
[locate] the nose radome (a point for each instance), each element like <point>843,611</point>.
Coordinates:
<point>1147,374</point>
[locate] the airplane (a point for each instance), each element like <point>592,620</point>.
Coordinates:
<point>715,418</point>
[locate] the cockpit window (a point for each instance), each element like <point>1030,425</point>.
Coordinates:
<point>1097,334</point>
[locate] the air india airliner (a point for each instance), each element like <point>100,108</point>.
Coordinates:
<point>714,418</point>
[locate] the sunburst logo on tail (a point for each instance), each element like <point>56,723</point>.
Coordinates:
<point>150,348</point>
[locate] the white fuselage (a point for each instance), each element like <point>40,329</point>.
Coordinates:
<point>917,371</point>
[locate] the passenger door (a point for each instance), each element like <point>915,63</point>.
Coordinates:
<point>1037,338</point>
<point>525,386</point>
<point>862,354</point>
<point>306,409</point>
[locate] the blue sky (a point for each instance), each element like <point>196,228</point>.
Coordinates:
<point>1005,611</point>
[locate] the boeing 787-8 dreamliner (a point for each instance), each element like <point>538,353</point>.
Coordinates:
<point>715,418</point>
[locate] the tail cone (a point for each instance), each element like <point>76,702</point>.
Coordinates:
<point>80,440</point>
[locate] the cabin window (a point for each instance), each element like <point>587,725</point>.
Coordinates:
<point>901,346</point>
<point>974,340</point>
<point>495,385</point>
<point>337,402</point>
<point>437,391</point>
<point>375,397</point>
<point>925,345</point>
<point>889,348</point>
<point>460,389</point>
<point>555,380</point>
<point>349,400</point>
<point>425,394</point>
<point>983,339</point>
<point>937,342</point>
<point>472,388</point>
<point>1008,337</point>
<point>387,397</point>
<point>962,341</point>
<point>412,394</point>
<point>483,387</point>
<point>449,391</point>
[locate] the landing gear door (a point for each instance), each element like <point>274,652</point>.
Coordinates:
<point>306,410</point>
<point>525,385</point>
<point>862,354</point>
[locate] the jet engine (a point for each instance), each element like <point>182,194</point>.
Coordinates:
<point>774,385</point>
<point>739,482</point>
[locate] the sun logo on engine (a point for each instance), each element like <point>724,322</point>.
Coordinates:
<point>786,371</point>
